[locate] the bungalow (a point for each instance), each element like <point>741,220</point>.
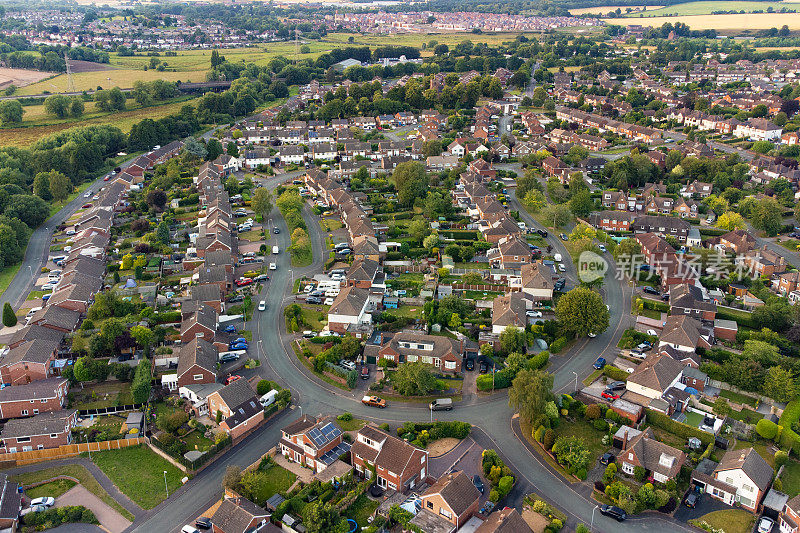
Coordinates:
<point>442,353</point>
<point>509,311</point>
<point>506,520</point>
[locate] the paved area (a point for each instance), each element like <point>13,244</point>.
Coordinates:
<point>706,505</point>
<point>109,518</point>
<point>303,474</point>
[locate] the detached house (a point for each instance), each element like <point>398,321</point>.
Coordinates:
<point>239,407</point>
<point>453,497</point>
<point>742,476</point>
<point>662,461</point>
<point>312,443</point>
<point>349,310</point>
<point>410,346</point>
<point>397,464</point>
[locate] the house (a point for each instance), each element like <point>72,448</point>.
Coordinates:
<point>789,521</point>
<point>697,188</point>
<point>197,363</point>
<point>506,520</point>
<point>39,432</point>
<point>742,477</point>
<point>758,129</point>
<point>198,395</point>
<point>441,162</point>
<point>453,497</point>
<point>349,310</point>
<point>40,396</point>
<point>410,346</point>
<point>509,311</point>
<point>397,464</point>
<point>663,226</point>
<point>662,461</point>
<point>312,443</point>
<point>654,376</point>
<point>510,253</point>
<point>688,300</point>
<point>240,515</point>
<point>10,504</point>
<point>536,281</point>
<point>30,361</point>
<point>239,407</point>
<point>684,333</point>
<point>694,378</point>
<point>201,322</point>
<point>762,262</point>
<point>292,155</point>
<point>362,273</point>
<point>612,220</point>
<point>739,241</point>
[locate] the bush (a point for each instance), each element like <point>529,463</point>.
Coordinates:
<point>617,374</point>
<point>767,429</point>
<point>639,473</point>
<point>539,434</point>
<point>593,411</point>
<point>781,458</point>
<point>558,345</point>
<point>265,385</point>
<point>345,417</point>
<point>600,425</point>
<point>539,360</point>
<point>494,495</point>
<point>54,517</point>
<point>549,439</point>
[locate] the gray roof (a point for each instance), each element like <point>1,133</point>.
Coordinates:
<point>57,317</point>
<point>35,351</point>
<point>29,333</point>
<point>197,352</point>
<point>751,463</point>
<point>43,424</point>
<point>232,518</point>
<point>35,390</point>
<point>10,498</point>
<point>236,393</point>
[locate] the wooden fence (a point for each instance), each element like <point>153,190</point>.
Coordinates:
<point>68,450</point>
<point>483,287</point>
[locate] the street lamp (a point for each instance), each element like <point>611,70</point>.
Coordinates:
<point>591,525</point>
<point>165,483</point>
<point>576,380</point>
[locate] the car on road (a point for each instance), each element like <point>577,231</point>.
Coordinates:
<point>189,529</point>
<point>228,357</point>
<point>542,233</point>
<point>276,231</point>
<point>87,205</point>
<point>231,379</point>
<point>261,277</point>
<point>601,247</point>
<point>203,523</point>
<point>262,305</point>
<point>563,237</point>
<point>561,267</point>
<point>692,500</point>
<point>651,290</point>
<point>478,482</point>
<point>607,458</point>
<point>47,501</point>
<point>373,401</point>
<point>469,364</point>
<point>765,524</point>
<point>273,266</point>
<point>610,395</point>
<point>599,363</point>
<point>107,178</point>
<point>614,512</point>
<point>88,194</point>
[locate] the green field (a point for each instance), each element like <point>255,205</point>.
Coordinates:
<point>708,7</point>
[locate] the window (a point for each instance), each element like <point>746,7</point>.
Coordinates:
<point>445,513</point>
<point>24,412</point>
<point>40,447</point>
<point>43,401</point>
<point>23,439</point>
<point>36,411</point>
<point>198,377</point>
<point>429,504</point>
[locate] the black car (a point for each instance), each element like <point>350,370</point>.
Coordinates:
<point>665,296</point>
<point>203,523</point>
<point>483,367</point>
<point>313,300</point>
<point>607,458</point>
<point>276,231</point>
<point>614,512</point>
<point>469,364</point>
<point>692,500</point>
<point>542,233</point>
<point>616,385</point>
<point>478,482</point>
<point>237,298</point>
<point>651,290</point>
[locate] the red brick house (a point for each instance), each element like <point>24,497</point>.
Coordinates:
<point>312,443</point>
<point>482,168</point>
<point>790,516</point>
<point>453,497</point>
<point>239,407</point>
<point>40,432</point>
<point>612,220</point>
<point>36,397</point>
<point>200,323</point>
<point>240,515</point>
<point>11,498</point>
<point>397,464</point>
<point>30,361</point>
<point>663,462</point>
<point>197,363</point>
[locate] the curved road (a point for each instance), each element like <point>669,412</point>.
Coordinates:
<point>493,419</point>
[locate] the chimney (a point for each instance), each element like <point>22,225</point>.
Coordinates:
<point>625,440</point>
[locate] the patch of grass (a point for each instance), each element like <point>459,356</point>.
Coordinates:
<point>311,316</point>
<point>81,474</point>
<point>791,478</point>
<point>586,432</point>
<point>122,78</point>
<point>747,415</point>
<point>361,510</point>
<point>591,378</point>
<point>789,244</point>
<point>323,377</point>
<point>101,395</point>
<point>351,425</point>
<point>408,311</point>
<point>729,520</point>
<point>196,441</point>
<point>35,295</point>
<point>137,471</point>
<point>271,481</point>
<point>252,235</point>
<point>707,8</point>
<point>54,489</point>
<point>527,432</point>
<point>6,275</point>
<point>738,398</point>
<point>693,419</point>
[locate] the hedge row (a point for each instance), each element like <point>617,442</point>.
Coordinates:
<point>660,420</point>
<point>790,439</point>
<point>617,374</point>
<point>713,232</point>
<point>655,305</point>
<point>737,316</point>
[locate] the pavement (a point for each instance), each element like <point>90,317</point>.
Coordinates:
<point>109,518</point>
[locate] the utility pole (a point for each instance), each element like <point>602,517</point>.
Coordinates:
<point>70,81</point>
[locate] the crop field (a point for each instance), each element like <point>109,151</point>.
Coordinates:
<point>708,7</point>
<point>416,39</point>
<point>106,79</point>
<point>21,77</point>
<point>602,10</point>
<point>25,136</point>
<point>725,22</point>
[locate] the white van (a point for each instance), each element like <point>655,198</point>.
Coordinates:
<point>268,399</point>
<point>557,257</point>
<point>332,293</point>
<point>275,250</point>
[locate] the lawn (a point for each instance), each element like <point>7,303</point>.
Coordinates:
<point>312,314</point>
<point>78,472</point>
<point>196,441</point>
<point>252,235</point>
<point>139,473</point>
<point>6,275</point>
<point>408,311</point>
<point>584,430</point>
<point>693,419</point>
<point>730,521</point>
<point>791,478</point>
<point>361,510</point>
<point>101,395</point>
<point>738,398</point>
<point>747,415</point>
<point>723,22</point>
<point>54,489</point>
<point>123,78</point>
<point>351,425</point>
<point>707,8</point>
<point>271,481</point>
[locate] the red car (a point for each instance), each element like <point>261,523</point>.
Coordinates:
<point>87,206</point>
<point>106,178</point>
<point>231,379</point>
<point>610,395</point>
<point>241,282</point>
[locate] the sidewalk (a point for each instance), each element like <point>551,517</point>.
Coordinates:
<point>108,517</point>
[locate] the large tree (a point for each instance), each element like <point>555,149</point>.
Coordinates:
<point>414,379</point>
<point>9,318</point>
<point>512,340</point>
<point>582,311</point>
<point>261,202</point>
<point>529,393</point>
<point>779,384</point>
<point>410,181</point>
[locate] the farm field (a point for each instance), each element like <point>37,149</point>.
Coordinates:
<point>21,77</point>
<point>124,120</point>
<point>708,7</point>
<point>106,79</point>
<point>602,10</point>
<point>724,22</point>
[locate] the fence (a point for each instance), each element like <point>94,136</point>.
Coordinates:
<point>68,450</point>
<point>111,410</point>
<point>483,287</point>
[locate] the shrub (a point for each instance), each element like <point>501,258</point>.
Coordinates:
<point>264,386</point>
<point>505,485</point>
<point>617,374</point>
<point>539,360</point>
<point>538,434</point>
<point>593,411</point>
<point>558,345</point>
<point>781,457</point>
<point>549,439</point>
<point>345,417</point>
<point>608,475</point>
<point>600,425</point>
<point>639,473</point>
<point>494,495</point>
<point>660,420</point>
<point>767,429</point>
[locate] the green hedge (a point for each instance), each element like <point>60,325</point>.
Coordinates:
<point>660,420</point>
<point>617,374</point>
<point>655,305</point>
<point>713,232</point>
<point>539,360</point>
<point>743,318</point>
<point>790,439</point>
<point>558,345</point>
<point>502,380</point>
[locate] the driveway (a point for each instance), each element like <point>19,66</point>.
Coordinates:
<point>109,518</point>
<point>706,505</point>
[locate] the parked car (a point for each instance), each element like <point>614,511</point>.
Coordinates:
<point>614,512</point>
<point>599,363</point>
<point>478,482</point>
<point>652,333</point>
<point>313,300</point>
<point>644,347</point>
<point>601,247</point>
<point>231,379</point>
<point>230,329</point>
<point>33,509</point>
<point>364,372</point>
<point>469,364</point>
<point>47,501</point>
<point>692,500</point>
<point>651,290</point>
<point>276,231</point>
<point>273,266</point>
<point>561,267</point>
<point>308,334</point>
<point>228,357</point>
<point>483,367</point>
<point>564,237</point>
<point>616,385</point>
<point>262,305</point>
<point>349,365</point>
<point>610,395</point>
<point>50,285</point>
<point>189,529</point>
<point>373,401</point>
<point>236,298</point>
<point>765,524</point>
<point>533,314</point>
<point>241,282</point>
<point>203,523</point>
<point>607,458</point>
<point>542,233</point>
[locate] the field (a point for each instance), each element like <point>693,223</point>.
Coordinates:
<point>724,22</point>
<point>708,7</point>
<point>602,10</point>
<point>21,77</point>
<point>106,79</point>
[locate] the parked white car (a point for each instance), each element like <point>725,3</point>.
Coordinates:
<point>273,266</point>
<point>47,501</point>
<point>533,314</point>
<point>50,285</point>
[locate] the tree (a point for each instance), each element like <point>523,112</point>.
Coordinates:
<point>767,215</point>
<point>30,209</point>
<point>581,204</point>
<point>534,200</point>
<point>261,202</point>
<point>195,147</point>
<point>414,379</point>
<point>232,149</point>
<point>144,337</point>
<point>156,198</point>
<point>162,232</point>
<point>779,384</point>
<point>418,229</point>
<point>767,429</point>
<point>431,241</point>
<point>410,181</point>
<point>213,149</point>
<point>572,451</point>
<point>57,105</point>
<point>60,185</point>
<point>582,311</point>
<point>9,318</point>
<point>731,220</point>
<point>41,187</point>
<point>321,517</point>
<point>10,112</point>
<point>721,407</point>
<point>529,393</point>
<point>83,369</point>
<point>559,215</point>
<point>512,340</point>
<point>76,106</point>
<point>232,477</point>
<point>140,386</point>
